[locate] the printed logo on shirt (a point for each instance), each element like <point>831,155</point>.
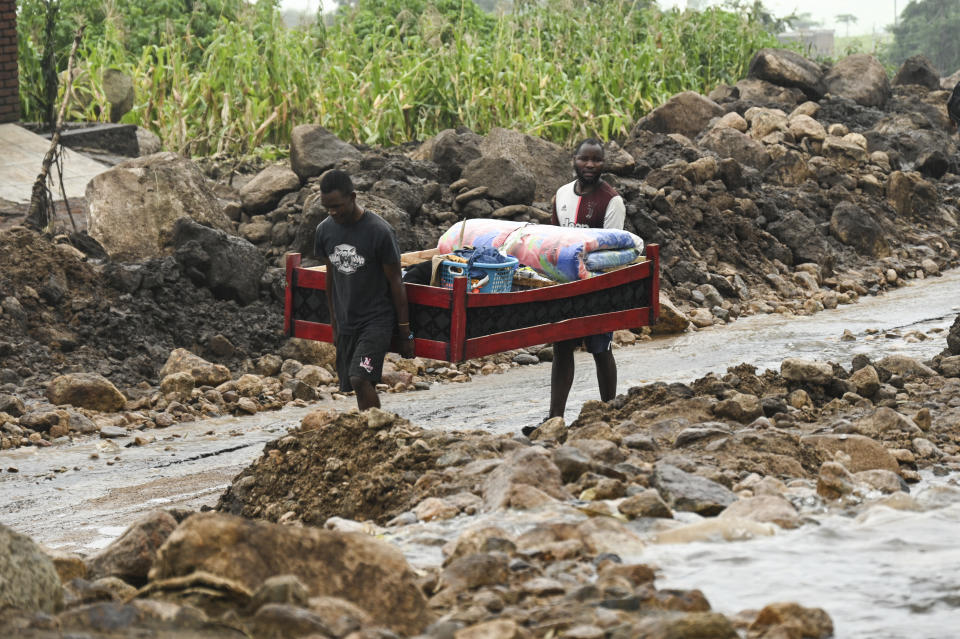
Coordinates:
<point>366,364</point>
<point>346,259</point>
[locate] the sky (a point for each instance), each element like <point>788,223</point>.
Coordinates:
<point>872,15</point>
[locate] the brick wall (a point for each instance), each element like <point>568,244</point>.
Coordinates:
<point>9,85</point>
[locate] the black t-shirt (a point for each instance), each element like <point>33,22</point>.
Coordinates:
<point>361,293</point>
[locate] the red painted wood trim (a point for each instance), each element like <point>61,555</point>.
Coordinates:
<point>323,333</point>
<point>312,330</point>
<point>312,278</point>
<point>429,295</point>
<point>293,261</point>
<point>430,348</point>
<point>560,291</point>
<point>458,320</point>
<point>653,252</point>
<point>548,333</point>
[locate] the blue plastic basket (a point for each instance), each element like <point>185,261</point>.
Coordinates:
<point>500,276</point>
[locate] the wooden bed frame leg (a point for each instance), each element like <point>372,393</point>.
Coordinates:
<point>293,262</point>
<point>458,320</point>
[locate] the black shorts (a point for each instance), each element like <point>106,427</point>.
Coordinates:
<point>361,355</point>
<point>593,343</point>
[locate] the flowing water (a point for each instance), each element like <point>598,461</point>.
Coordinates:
<point>879,572</point>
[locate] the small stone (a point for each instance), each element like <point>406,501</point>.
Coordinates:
<point>834,481</point>
<point>434,508</point>
<point>645,504</point>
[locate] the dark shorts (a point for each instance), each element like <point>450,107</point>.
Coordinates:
<point>361,355</point>
<point>593,343</point>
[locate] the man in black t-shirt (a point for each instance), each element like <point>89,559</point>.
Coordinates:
<point>366,297</point>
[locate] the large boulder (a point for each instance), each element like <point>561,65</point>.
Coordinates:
<point>912,196</point>
<point>861,78</point>
<point>118,89</point>
<point>131,555</point>
<point>689,492</point>
<point>788,69</point>
<point>672,320</point>
<point>408,197</point>
<point>806,371</point>
<point>505,179</point>
<point>857,228</point>
<point>917,137</point>
<point>313,150</point>
<point>85,390</point>
<point>524,467</point>
<point>953,337</point>
<point>799,233</point>
<point>730,143</point>
<point>28,578</point>
<point>230,266</point>
<point>407,236</point>
<point>759,91</point>
<point>847,151</point>
<point>133,207</point>
<point>884,422</point>
<point>687,113</point>
<point>366,571</point>
<point>550,164</point>
<point>263,192</point>
<point>451,150</point>
<point>858,452</point>
<point>918,69</point>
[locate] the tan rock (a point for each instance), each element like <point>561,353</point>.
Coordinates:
<point>606,534</point>
<point>180,385</point>
<point>435,508</point>
<point>834,481</point>
<point>204,372</point>
<point>886,481</point>
<point>773,509</point>
<point>315,375</point>
<point>531,466</point>
<point>861,453</point>
<point>645,504</point>
<point>85,390</point>
<point>318,419</point>
<point>764,121</point>
<point>495,629</point>
<point>883,421</point>
<point>249,385</point>
<point>812,623</point>
<point>803,126</point>
<point>733,120</point>
<point>131,555</point>
<point>672,320</point>
<point>866,380</point>
<point>906,366</point>
<point>802,370</point>
<point>359,568</point>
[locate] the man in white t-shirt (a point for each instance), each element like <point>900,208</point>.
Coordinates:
<point>587,202</point>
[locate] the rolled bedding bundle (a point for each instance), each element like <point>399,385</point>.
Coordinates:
<point>560,253</point>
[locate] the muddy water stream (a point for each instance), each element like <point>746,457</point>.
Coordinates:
<point>879,573</point>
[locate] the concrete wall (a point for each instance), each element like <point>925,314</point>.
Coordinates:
<point>9,84</point>
<point>815,42</point>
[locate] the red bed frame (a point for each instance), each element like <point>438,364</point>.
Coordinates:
<point>452,325</point>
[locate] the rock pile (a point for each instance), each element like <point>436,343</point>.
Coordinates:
<point>733,455</point>
<point>797,189</point>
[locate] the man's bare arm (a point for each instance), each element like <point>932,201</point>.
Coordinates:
<point>398,293</point>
